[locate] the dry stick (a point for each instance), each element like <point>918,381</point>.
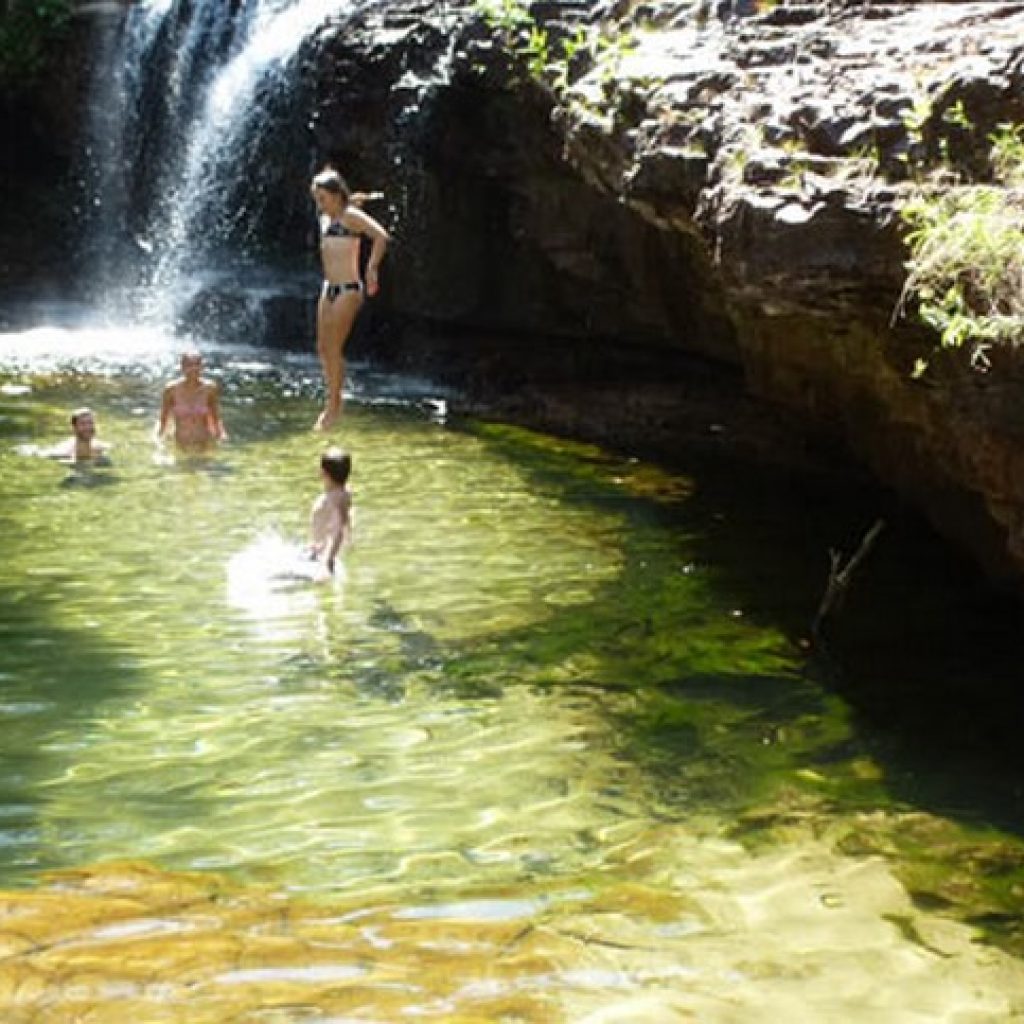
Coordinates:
<point>839,576</point>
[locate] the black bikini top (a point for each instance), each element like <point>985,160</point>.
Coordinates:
<point>335,229</point>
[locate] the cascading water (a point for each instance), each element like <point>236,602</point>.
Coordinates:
<point>187,138</point>
<point>115,89</point>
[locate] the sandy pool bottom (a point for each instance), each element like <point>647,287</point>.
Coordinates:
<point>692,929</point>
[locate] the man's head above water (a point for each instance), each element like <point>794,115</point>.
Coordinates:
<point>83,424</point>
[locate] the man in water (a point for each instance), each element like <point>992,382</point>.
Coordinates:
<point>83,445</point>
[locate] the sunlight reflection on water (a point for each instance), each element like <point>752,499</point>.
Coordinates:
<point>273,579</point>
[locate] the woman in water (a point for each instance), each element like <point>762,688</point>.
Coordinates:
<point>193,404</point>
<point>342,225</point>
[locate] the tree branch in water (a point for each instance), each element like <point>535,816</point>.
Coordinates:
<point>839,576</point>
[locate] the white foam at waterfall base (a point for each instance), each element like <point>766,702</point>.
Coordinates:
<point>48,348</point>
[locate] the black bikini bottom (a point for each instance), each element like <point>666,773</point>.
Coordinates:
<point>332,291</point>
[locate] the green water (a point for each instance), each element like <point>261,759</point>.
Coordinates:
<point>529,672</point>
<point>448,697</point>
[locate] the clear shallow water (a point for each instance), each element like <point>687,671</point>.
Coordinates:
<point>532,703</point>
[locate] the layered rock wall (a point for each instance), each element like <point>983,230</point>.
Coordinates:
<point>816,125</point>
<point>725,185</point>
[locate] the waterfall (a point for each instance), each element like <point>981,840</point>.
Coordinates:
<point>194,97</point>
<point>115,91</point>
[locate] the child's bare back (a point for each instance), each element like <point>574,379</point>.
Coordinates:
<point>330,519</point>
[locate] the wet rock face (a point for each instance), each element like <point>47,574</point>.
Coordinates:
<point>493,228</point>
<point>728,188</point>
<point>39,131</point>
<point>810,165</point>
<point>537,291</point>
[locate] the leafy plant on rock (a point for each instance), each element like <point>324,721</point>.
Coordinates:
<point>966,263</point>
<point>551,62</point>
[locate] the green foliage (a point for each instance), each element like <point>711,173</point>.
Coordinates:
<point>863,164</point>
<point>506,16</point>
<point>571,45</point>
<point>916,117</point>
<point>914,121</point>
<point>536,51</point>
<point>611,50</point>
<point>794,177</point>
<point>930,137</point>
<point>966,265</point>
<point>548,65</point>
<point>737,158</point>
<point>575,43</point>
<point>1008,154</point>
<point>519,33</point>
<point>29,32</point>
<point>956,115</point>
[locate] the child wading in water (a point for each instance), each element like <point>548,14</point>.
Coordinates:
<point>330,520</point>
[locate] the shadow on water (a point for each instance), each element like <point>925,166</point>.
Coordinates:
<point>924,649</point>
<point>41,721</point>
<point>903,743</point>
<point>924,655</point>
<point>709,699</point>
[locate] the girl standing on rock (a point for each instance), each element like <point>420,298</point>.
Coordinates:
<point>342,225</point>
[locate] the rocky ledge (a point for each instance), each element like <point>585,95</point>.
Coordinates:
<point>791,141</point>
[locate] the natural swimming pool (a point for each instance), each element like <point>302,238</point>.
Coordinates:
<point>541,755</point>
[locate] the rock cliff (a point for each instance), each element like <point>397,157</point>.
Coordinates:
<point>633,238</point>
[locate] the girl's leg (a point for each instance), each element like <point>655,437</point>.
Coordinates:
<point>323,349</point>
<point>334,324</point>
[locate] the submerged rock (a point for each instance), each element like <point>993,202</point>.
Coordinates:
<point>796,928</point>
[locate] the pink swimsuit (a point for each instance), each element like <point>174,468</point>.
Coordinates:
<point>199,406</point>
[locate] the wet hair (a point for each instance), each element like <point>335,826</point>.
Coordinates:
<point>191,355</point>
<point>337,465</point>
<point>331,181</point>
<point>79,413</point>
